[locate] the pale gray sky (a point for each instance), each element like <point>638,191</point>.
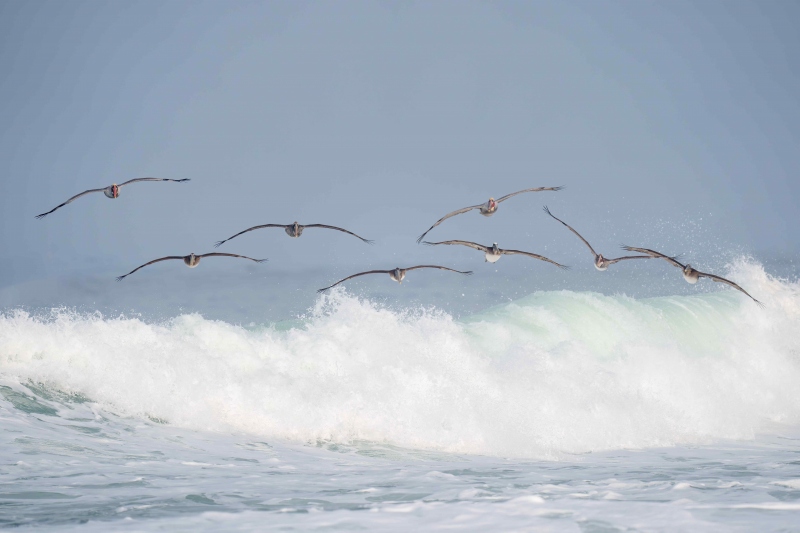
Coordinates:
<point>671,123</point>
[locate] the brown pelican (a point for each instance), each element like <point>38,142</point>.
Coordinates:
<point>190,260</point>
<point>487,209</point>
<point>493,253</point>
<point>397,274</point>
<point>294,230</point>
<point>600,262</point>
<point>112,191</point>
<point>689,274</point>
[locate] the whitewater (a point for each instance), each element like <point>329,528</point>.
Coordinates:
<point>560,410</point>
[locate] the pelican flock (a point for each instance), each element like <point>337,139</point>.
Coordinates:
<point>491,253</point>
<point>112,191</point>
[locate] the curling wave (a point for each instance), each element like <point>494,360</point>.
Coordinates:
<point>552,373</point>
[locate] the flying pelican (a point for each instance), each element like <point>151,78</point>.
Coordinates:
<point>190,260</point>
<point>600,262</point>
<point>493,253</point>
<point>487,209</point>
<point>397,274</point>
<point>294,230</point>
<point>690,274</point>
<point>112,191</point>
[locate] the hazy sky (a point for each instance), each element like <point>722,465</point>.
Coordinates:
<point>671,123</point>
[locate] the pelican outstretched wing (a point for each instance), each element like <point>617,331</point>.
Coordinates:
<point>151,179</point>
<point>448,215</point>
<point>219,254</point>
<point>720,279</point>
<point>70,200</point>
<point>354,276</point>
<point>219,243</point>
<point>120,278</point>
<point>338,229</point>
<point>652,253</point>
<point>546,210</point>
<point>465,272</point>
<point>475,245</point>
<point>618,259</point>
<point>535,256</point>
<point>535,189</point>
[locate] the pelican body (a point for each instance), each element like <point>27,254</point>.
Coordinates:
<point>690,275</point>
<point>601,263</point>
<point>112,191</point>
<point>398,274</point>
<point>294,230</point>
<point>493,254</point>
<point>191,260</point>
<point>489,208</point>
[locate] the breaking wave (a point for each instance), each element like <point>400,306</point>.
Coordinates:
<point>552,373</point>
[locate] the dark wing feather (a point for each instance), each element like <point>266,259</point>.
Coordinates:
<point>218,243</point>
<point>68,201</point>
<point>618,259</point>
<point>546,210</point>
<point>120,278</point>
<point>354,276</point>
<point>719,279</point>
<point>535,189</point>
<point>338,229</point>
<point>535,256</point>
<point>151,179</point>
<point>652,253</point>
<point>220,254</point>
<point>448,215</point>
<point>467,272</point>
<point>475,245</point>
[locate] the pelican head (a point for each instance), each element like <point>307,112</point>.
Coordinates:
<point>690,275</point>
<point>600,263</point>
<point>112,192</point>
<point>191,260</point>
<point>294,230</point>
<point>398,274</point>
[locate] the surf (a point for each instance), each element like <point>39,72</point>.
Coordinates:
<point>553,373</point>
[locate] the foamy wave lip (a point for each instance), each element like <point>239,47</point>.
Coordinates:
<point>554,373</point>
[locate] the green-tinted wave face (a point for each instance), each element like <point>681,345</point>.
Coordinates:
<point>551,373</point>
<point>608,325</point>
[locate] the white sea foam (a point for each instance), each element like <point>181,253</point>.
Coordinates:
<point>553,373</point>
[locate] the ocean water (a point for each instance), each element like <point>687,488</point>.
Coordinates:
<point>552,410</point>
